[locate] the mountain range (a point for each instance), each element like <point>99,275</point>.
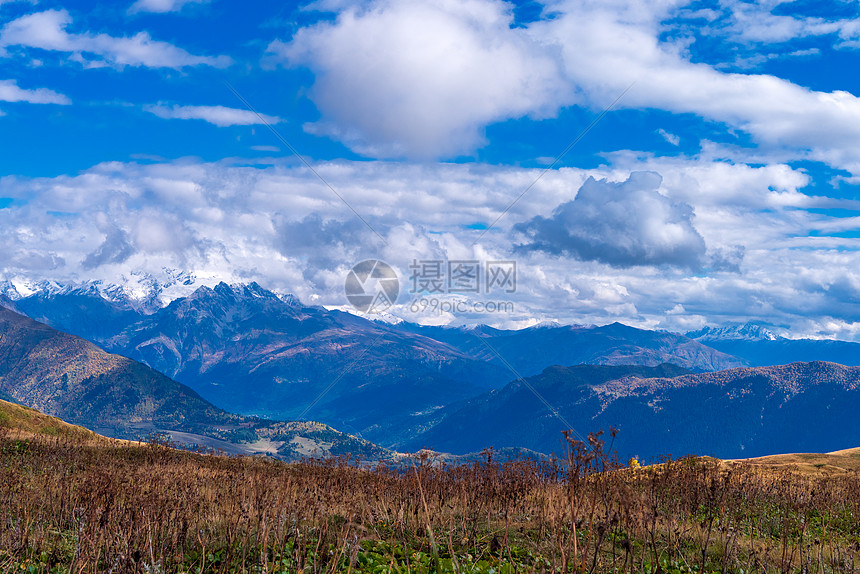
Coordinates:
<point>250,351</point>
<point>799,407</point>
<point>529,351</point>
<point>247,350</point>
<point>65,376</point>
<point>759,346</point>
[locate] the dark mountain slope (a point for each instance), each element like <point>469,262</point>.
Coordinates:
<point>70,378</point>
<point>800,407</point>
<point>515,416</point>
<point>65,376</point>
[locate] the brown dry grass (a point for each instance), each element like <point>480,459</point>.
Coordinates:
<point>25,422</point>
<point>841,461</point>
<point>68,505</point>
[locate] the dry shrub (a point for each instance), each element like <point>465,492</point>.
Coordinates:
<point>71,507</point>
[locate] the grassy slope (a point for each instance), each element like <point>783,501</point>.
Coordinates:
<point>26,421</point>
<point>847,460</point>
<point>96,509</point>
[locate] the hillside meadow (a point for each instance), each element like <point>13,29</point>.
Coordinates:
<point>70,504</point>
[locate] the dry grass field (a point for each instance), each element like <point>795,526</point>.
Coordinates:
<point>73,502</point>
<point>841,461</point>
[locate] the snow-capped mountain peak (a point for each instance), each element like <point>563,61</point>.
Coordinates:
<point>735,332</point>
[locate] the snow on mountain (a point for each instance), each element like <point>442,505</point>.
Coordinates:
<point>289,299</point>
<point>546,325</point>
<point>734,332</point>
<point>142,292</point>
<point>8,290</point>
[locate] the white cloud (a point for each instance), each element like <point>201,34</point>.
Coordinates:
<point>806,52</point>
<point>624,224</point>
<point>422,79</point>
<point>669,137</point>
<point>10,92</point>
<point>610,52</point>
<point>47,31</point>
<point>161,6</point>
<point>755,23</point>
<point>279,225</point>
<point>218,115</point>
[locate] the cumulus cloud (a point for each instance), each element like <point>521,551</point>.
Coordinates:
<point>115,249</point>
<point>278,225</point>
<point>422,79</point>
<point>161,6</point>
<point>10,92</point>
<point>47,31</point>
<point>218,115</point>
<point>34,260</point>
<point>312,232</point>
<point>324,245</point>
<point>155,231</point>
<point>627,223</point>
<point>610,51</point>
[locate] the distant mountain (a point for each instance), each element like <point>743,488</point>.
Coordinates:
<point>531,350</point>
<point>8,291</point>
<point>800,407</point>
<point>95,310</point>
<point>734,332</point>
<point>759,346</point>
<point>143,291</point>
<point>514,416</point>
<point>65,376</point>
<point>249,350</point>
<point>80,310</point>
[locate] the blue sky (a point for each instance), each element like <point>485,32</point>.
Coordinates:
<point>722,186</point>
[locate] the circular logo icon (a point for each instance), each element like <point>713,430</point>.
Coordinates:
<point>372,286</point>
